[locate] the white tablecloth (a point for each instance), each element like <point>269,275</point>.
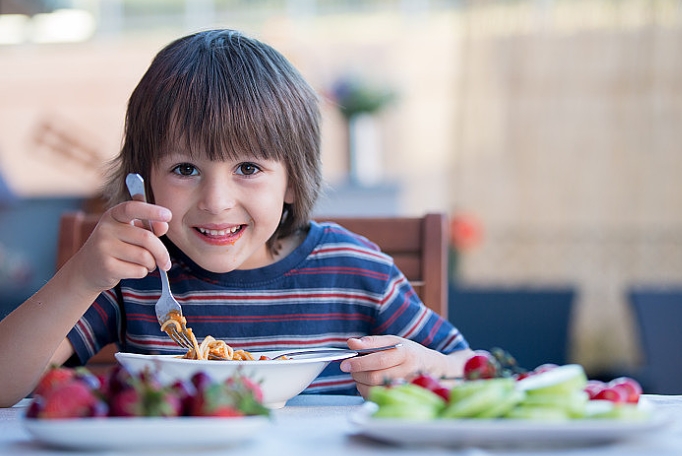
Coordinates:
<point>320,426</point>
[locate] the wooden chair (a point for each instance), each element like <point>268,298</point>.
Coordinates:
<point>417,244</point>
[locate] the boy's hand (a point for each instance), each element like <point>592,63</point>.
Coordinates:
<point>404,362</point>
<point>120,247</point>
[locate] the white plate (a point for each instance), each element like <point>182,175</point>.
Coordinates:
<point>279,380</point>
<point>138,433</point>
<point>500,433</point>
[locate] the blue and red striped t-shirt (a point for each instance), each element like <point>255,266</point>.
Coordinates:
<point>334,286</point>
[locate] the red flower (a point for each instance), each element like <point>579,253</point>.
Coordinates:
<point>466,231</point>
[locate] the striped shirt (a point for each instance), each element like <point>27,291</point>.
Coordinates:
<point>334,286</point>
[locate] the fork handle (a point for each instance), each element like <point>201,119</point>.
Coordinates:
<point>135,184</point>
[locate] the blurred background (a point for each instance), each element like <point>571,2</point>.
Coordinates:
<point>548,130</point>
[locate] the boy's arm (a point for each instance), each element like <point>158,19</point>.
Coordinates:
<point>33,336</point>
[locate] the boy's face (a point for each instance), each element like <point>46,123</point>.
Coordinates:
<point>223,211</point>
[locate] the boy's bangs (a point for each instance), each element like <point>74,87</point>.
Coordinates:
<point>221,115</point>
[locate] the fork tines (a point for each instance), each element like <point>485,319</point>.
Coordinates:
<point>180,338</point>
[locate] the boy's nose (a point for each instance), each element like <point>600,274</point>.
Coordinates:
<point>216,197</point>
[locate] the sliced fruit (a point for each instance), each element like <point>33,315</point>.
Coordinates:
<point>537,413</point>
<point>406,394</point>
<point>414,412</point>
<point>561,380</point>
<point>572,404</point>
<point>611,410</point>
<point>487,394</point>
<point>467,389</point>
<point>406,401</point>
<point>503,407</point>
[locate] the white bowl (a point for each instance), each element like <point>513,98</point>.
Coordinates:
<point>279,380</point>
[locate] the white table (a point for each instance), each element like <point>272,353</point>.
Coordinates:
<point>319,426</point>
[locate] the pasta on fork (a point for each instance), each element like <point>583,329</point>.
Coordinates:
<point>210,348</point>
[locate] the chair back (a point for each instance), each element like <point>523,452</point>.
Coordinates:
<point>417,244</point>
<point>658,315</point>
<point>533,324</point>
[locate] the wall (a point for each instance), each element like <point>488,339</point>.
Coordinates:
<point>568,149</point>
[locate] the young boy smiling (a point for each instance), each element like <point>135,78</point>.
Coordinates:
<point>226,134</point>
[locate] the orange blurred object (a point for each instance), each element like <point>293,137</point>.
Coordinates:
<point>466,231</point>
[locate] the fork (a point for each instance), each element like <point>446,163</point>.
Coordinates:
<point>361,351</point>
<point>166,305</point>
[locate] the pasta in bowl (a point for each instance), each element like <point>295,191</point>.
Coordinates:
<point>280,380</point>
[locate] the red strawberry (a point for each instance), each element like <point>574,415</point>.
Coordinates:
<point>54,377</point>
<point>215,400</point>
<point>145,396</point>
<point>245,386</point>
<point>428,382</point>
<point>482,365</point>
<point>613,394</point>
<point>127,402</point>
<point>631,387</point>
<point>185,392</point>
<point>72,400</point>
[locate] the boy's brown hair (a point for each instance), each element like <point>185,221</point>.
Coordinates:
<point>223,94</point>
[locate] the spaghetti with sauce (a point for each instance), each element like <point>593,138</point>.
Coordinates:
<point>210,348</point>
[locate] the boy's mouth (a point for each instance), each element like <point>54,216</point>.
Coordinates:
<point>220,233</point>
<point>223,236</point>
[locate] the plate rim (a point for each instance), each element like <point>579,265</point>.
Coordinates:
<point>101,433</point>
<point>494,432</point>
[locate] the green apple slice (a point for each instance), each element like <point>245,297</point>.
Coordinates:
<point>504,406</point>
<point>561,380</point>
<point>405,395</point>
<point>411,412</point>
<point>612,410</point>
<point>469,388</point>
<point>526,412</point>
<point>573,404</point>
<point>481,395</point>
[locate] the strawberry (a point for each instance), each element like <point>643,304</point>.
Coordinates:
<point>594,387</point>
<point>254,387</point>
<point>73,399</point>
<point>145,396</point>
<point>613,394</point>
<point>185,392</point>
<point>201,380</point>
<point>116,380</point>
<point>630,386</point>
<point>247,394</point>
<point>431,384</point>
<point>215,400</point>
<point>53,378</point>
<point>126,402</point>
<point>482,365</point>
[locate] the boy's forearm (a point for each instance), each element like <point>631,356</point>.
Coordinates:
<point>31,336</point>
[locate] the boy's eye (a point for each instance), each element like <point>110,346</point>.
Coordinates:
<point>185,169</point>
<point>247,169</point>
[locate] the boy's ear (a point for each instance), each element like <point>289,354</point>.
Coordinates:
<point>289,195</point>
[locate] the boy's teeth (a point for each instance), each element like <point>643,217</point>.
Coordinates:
<point>219,232</point>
